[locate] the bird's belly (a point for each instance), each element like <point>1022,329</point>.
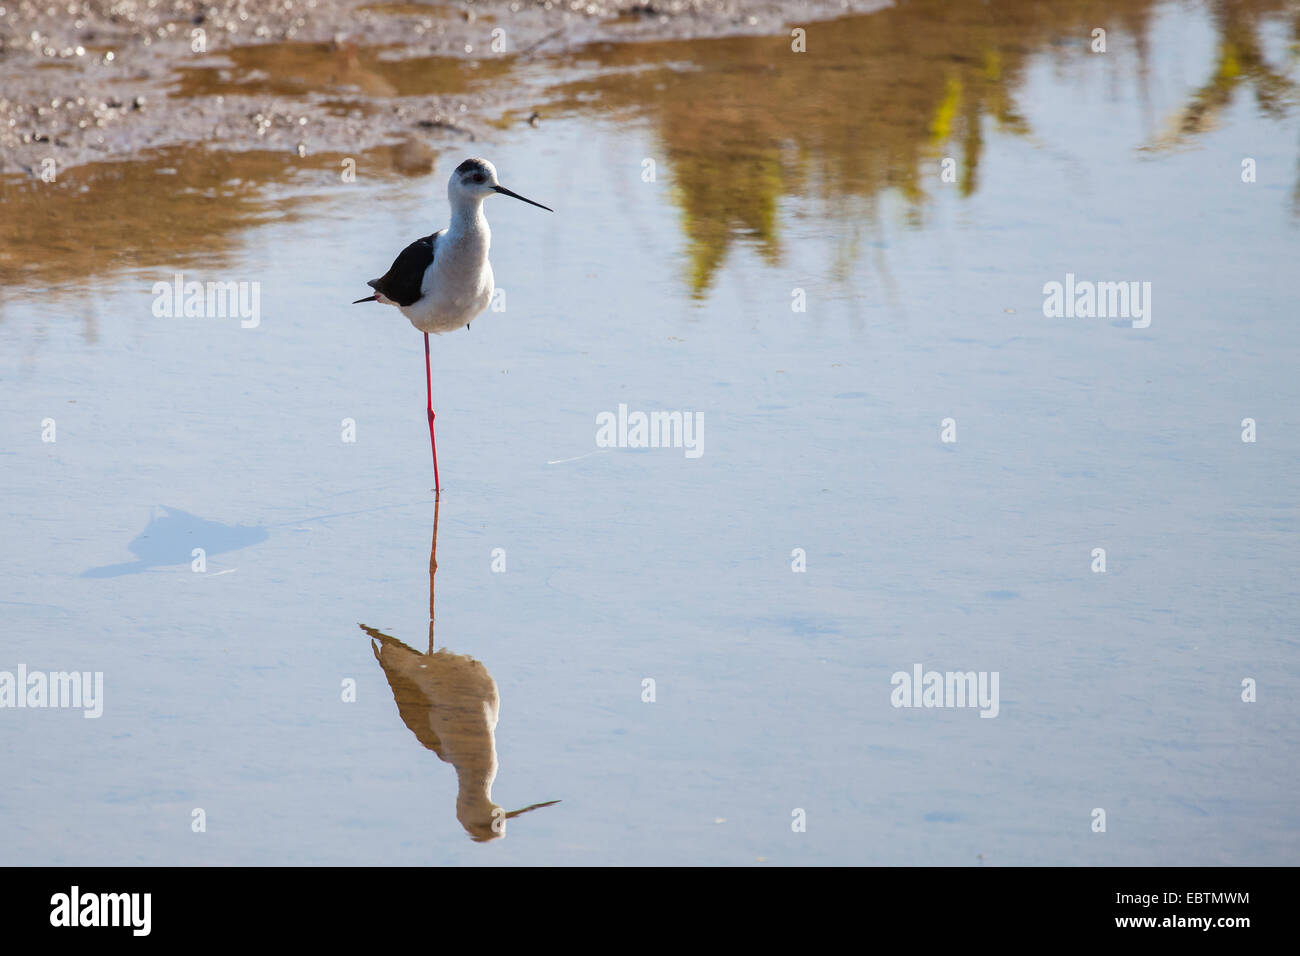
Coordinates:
<point>451,300</point>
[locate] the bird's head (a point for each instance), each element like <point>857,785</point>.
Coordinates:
<point>477,179</point>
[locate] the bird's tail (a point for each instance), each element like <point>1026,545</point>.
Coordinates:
<point>369,298</point>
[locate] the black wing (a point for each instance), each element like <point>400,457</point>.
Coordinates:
<point>401,283</point>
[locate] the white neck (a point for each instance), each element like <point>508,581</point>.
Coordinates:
<point>467,217</point>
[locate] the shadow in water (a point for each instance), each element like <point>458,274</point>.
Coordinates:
<point>171,539</point>
<point>450,702</point>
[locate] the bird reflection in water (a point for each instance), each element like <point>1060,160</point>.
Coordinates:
<point>449,701</point>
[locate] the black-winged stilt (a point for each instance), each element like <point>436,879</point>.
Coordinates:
<point>444,280</point>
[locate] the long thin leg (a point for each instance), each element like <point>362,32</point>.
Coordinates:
<point>433,568</point>
<point>428,381</point>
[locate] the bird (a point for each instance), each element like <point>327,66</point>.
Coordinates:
<point>451,703</point>
<point>444,280</point>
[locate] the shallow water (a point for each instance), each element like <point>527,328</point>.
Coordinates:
<point>821,431</point>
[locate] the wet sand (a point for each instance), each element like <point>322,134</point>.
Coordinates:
<point>102,82</point>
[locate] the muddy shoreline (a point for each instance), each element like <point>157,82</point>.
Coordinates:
<point>106,79</point>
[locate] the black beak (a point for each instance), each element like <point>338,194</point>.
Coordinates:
<point>506,192</point>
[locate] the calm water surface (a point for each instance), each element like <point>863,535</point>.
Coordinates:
<point>774,172</point>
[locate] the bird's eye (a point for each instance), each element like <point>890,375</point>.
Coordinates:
<point>480,178</point>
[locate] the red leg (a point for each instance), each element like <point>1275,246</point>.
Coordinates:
<point>428,381</point>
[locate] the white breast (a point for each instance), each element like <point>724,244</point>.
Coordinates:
<point>457,286</point>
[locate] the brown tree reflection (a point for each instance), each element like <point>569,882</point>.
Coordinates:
<point>876,103</point>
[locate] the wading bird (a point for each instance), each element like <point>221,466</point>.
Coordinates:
<point>443,281</point>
